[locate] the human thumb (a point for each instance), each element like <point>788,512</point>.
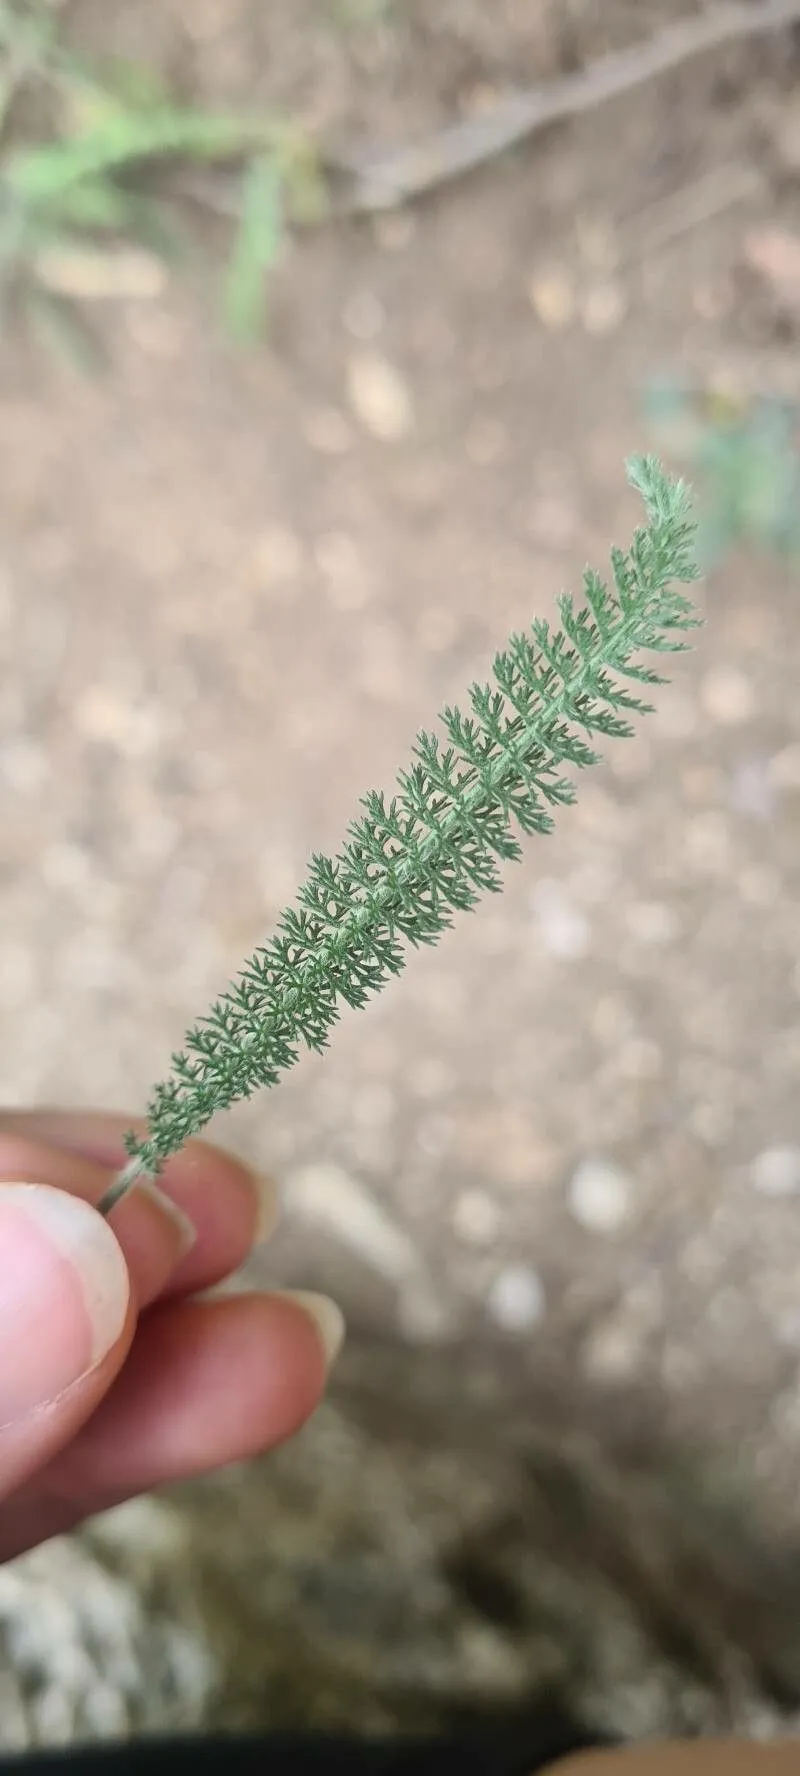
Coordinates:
<point>65,1304</point>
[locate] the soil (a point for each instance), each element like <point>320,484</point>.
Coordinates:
<point>568,1141</point>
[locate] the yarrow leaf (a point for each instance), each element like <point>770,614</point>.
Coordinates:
<point>410,862</point>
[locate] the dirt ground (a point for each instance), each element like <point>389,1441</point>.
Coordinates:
<point>555,1169</point>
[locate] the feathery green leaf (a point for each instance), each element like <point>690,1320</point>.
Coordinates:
<point>412,861</point>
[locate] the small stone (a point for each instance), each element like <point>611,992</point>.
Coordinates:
<point>340,563</point>
<point>18,974</point>
<point>424,1314</point>
<point>331,1198</point>
<point>760,885</point>
<point>475,1218</point>
<point>652,922</point>
<point>327,431</point>
<point>551,294</point>
<point>436,630</point>
<point>24,766</point>
<point>773,253</point>
<point>364,315</point>
<point>395,230</point>
<point>562,928</point>
<point>552,521</point>
<point>485,442</point>
<point>599,1196</point>
<point>708,843</point>
<point>597,242</point>
<point>786,136</point>
<point>516,1298</point>
<point>784,768</point>
<point>728,696</point>
<point>641,1059</point>
<point>379,397</point>
<point>90,274</point>
<point>278,558</point>
<point>434,1135</point>
<point>776,1171</point>
<point>603,309</point>
<point>611,1355</point>
<point>752,789</point>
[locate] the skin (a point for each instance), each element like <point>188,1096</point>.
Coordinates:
<point>190,1384</point>
<point>722,1758</point>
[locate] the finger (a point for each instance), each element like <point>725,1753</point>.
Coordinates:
<point>66,1322</point>
<point>206,1384</point>
<point>228,1205</point>
<point>154,1235</point>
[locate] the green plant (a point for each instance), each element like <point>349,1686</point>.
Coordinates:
<point>410,863</point>
<point>745,457</point>
<point>102,176</point>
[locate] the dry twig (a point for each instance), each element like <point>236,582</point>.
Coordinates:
<point>373,184</point>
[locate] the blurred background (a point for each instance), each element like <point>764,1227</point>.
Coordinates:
<point>327,327</point>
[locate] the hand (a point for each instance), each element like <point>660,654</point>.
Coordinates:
<point>114,1376</point>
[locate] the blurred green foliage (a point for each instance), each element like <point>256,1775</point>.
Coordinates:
<point>96,175</point>
<point>744,457</point>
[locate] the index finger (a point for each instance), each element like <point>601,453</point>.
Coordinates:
<point>228,1204</point>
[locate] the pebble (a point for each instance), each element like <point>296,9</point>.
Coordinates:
<point>327,431</point>
<point>364,315</point>
<point>603,309</point>
<point>476,1218</point>
<point>516,1298</point>
<point>485,442</point>
<point>86,274</point>
<point>330,1197</point>
<point>652,922</point>
<point>751,789</point>
<point>24,766</point>
<point>18,973</point>
<point>436,630</point>
<point>562,928</point>
<point>707,844</point>
<point>728,696</point>
<point>776,1171</point>
<point>339,562</point>
<point>395,230</point>
<point>551,294</point>
<point>278,558</point>
<point>379,397</point>
<point>784,768</point>
<point>599,1196</point>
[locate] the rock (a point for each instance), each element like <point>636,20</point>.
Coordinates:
<point>728,696</point>
<point>551,294</point>
<point>652,922</point>
<point>562,928</point>
<point>475,1218</point>
<point>278,558</point>
<point>330,1197</point>
<point>327,431</point>
<point>599,1196</point>
<point>776,1171</point>
<point>89,274</point>
<point>364,315</point>
<point>516,1298</point>
<point>379,397</point>
<point>773,254</point>
<point>603,309</point>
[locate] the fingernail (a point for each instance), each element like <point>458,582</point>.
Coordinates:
<point>327,1317</point>
<point>185,1227</point>
<point>268,1210</point>
<point>64,1294</point>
